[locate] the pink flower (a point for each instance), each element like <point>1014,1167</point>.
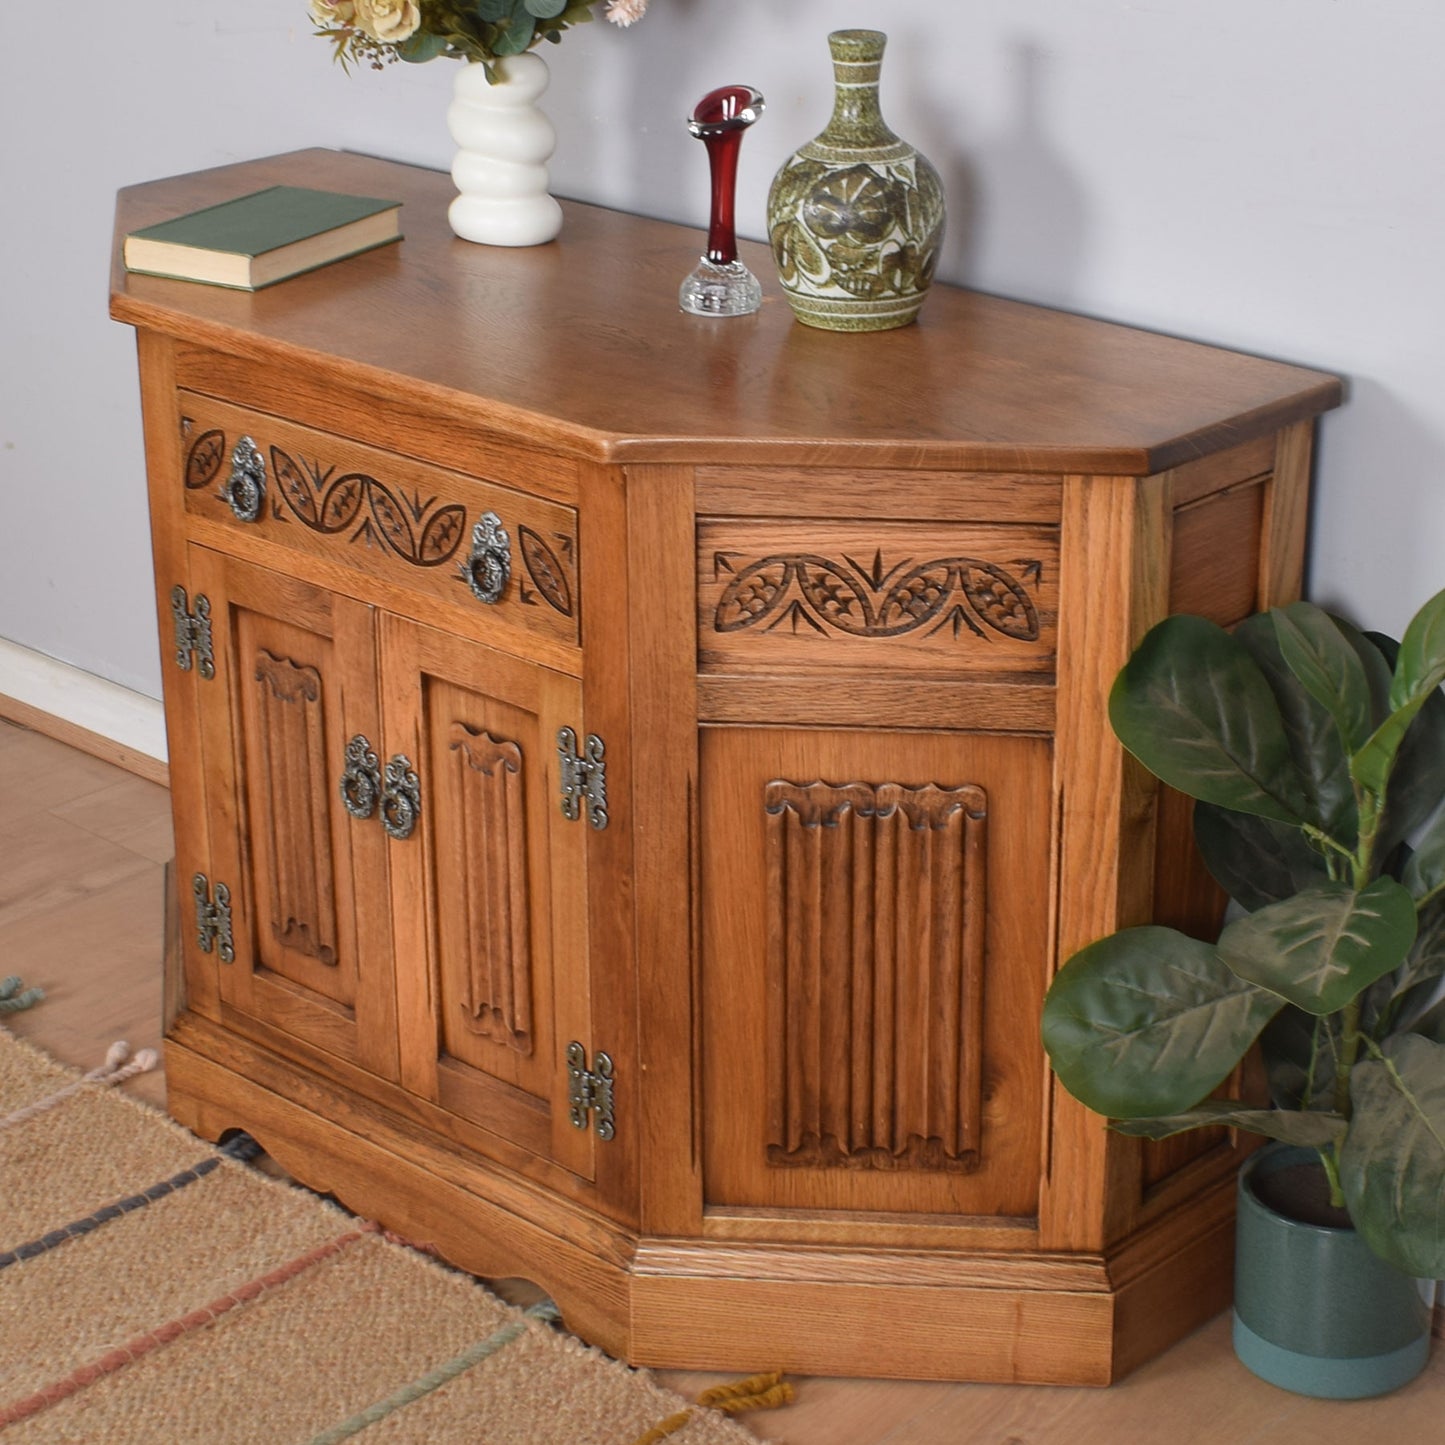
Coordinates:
<point>626,12</point>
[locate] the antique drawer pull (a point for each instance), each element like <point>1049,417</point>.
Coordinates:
<point>360,778</point>
<point>400,798</point>
<point>245,489</point>
<point>489,564</point>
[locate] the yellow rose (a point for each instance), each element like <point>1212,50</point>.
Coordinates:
<point>389,21</point>
<point>332,12</point>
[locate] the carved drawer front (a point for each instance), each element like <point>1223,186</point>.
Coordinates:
<point>491,550</point>
<point>908,596</point>
<point>875,917</point>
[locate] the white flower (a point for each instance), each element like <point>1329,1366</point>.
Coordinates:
<point>389,21</point>
<point>332,12</point>
<point>626,12</point>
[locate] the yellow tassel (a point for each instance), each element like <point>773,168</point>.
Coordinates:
<point>667,1427</point>
<point>758,1392</point>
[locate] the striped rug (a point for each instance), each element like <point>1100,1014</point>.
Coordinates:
<point>154,1288</point>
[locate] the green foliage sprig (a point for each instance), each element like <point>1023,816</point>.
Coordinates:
<point>1316,755</point>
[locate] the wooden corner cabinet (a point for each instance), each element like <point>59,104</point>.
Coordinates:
<point>635,774</point>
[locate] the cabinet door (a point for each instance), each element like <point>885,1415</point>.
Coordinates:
<point>875,944</point>
<point>310,927</point>
<point>493,974</point>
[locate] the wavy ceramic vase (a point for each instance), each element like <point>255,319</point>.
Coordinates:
<point>503,145</point>
<point>855,217</point>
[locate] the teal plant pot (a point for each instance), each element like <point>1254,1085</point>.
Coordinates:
<point>1315,1310</point>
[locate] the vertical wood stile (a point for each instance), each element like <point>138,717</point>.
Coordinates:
<point>1113,586</point>
<point>185,762</point>
<point>1286,517</point>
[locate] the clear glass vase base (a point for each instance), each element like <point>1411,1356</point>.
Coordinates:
<point>713,290</point>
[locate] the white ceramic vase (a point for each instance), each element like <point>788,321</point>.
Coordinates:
<point>503,145</point>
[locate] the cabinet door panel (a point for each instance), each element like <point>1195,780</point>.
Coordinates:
<point>491,900</point>
<point>294,681</point>
<point>875,932</point>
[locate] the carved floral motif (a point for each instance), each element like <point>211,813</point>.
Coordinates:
<point>802,589</point>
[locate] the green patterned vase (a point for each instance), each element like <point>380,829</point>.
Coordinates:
<point>856,216</point>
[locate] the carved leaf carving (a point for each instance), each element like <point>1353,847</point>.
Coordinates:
<point>547,573</point>
<point>205,459</point>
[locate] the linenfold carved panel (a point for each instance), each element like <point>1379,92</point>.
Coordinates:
<point>875,974</point>
<point>289,762</point>
<point>496,987</point>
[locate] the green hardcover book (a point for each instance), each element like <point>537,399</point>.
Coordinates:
<point>263,238</point>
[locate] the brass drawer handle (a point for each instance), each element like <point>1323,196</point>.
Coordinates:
<point>245,489</point>
<point>360,778</point>
<point>489,564</point>
<point>400,798</point>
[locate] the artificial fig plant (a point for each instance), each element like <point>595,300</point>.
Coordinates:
<point>1316,754</point>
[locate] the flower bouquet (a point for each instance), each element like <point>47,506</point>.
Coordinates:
<point>377,32</point>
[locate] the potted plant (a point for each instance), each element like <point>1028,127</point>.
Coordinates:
<point>1316,755</point>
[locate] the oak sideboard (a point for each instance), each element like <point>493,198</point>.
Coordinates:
<point>634,776</point>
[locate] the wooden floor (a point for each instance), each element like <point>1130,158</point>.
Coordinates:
<point>82,848</point>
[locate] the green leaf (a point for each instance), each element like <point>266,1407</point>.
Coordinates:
<point>1255,860</point>
<point>1330,670</point>
<point>1193,706</point>
<point>514,34</point>
<point>1319,752</point>
<point>1372,766</point>
<point>493,10</point>
<point>1322,947</point>
<point>1419,670</point>
<point>546,9</point>
<point>1313,1129</point>
<point>420,47</point>
<point>1392,1165</point>
<point>1420,667</point>
<point>1418,776</point>
<point>1148,1022</point>
<point>1412,987</point>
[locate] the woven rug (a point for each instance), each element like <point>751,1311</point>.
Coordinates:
<point>154,1288</point>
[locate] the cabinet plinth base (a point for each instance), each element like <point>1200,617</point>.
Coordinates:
<point>1024,1318</point>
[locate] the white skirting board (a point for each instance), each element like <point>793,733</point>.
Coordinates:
<point>131,720</point>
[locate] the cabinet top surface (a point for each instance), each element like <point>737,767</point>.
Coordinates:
<point>581,344</point>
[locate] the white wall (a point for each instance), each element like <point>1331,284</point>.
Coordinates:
<point>1259,175</point>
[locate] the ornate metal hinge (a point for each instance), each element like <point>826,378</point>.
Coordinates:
<point>584,776</point>
<point>193,633</point>
<point>213,918</point>
<point>590,1092</point>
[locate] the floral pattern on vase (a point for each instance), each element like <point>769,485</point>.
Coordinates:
<point>856,216</point>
